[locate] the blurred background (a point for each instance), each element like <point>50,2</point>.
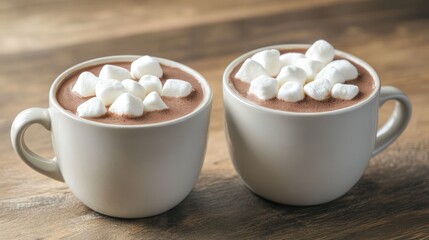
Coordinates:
<point>41,38</point>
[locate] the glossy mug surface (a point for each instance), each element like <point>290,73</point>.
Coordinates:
<point>307,158</point>
<point>125,171</point>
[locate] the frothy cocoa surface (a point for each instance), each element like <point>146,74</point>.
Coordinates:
<point>178,107</point>
<point>364,81</point>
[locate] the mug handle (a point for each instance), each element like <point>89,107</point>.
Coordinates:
<point>397,122</point>
<point>48,167</point>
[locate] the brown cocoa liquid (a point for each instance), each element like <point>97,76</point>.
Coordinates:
<point>364,81</point>
<point>177,107</point>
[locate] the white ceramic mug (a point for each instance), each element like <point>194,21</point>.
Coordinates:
<point>307,158</point>
<point>125,171</point>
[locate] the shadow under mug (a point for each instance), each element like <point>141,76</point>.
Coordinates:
<point>127,171</point>
<point>308,158</point>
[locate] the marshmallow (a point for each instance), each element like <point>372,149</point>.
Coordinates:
<point>250,70</point>
<point>264,87</point>
<point>146,65</point>
<point>153,102</point>
<point>85,84</point>
<point>107,90</point>
<point>93,107</point>
<point>114,72</point>
<point>318,90</point>
<point>290,58</point>
<point>311,67</point>
<point>127,105</point>
<point>270,60</point>
<point>321,51</point>
<point>344,91</point>
<point>348,70</point>
<point>291,73</point>
<point>134,88</point>
<point>151,83</point>
<point>176,88</point>
<point>332,74</point>
<point>291,91</point>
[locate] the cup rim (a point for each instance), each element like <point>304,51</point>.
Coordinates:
<point>231,91</point>
<point>207,99</point>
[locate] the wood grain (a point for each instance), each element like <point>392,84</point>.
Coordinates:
<point>42,38</point>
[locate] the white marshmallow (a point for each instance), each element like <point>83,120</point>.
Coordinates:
<point>93,107</point>
<point>146,65</point>
<point>264,87</point>
<point>321,51</point>
<point>291,73</point>
<point>134,88</point>
<point>127,105</point>
<point>151,83</point>
<point>332,74</point>
<point>348,70</point>
<point>344,91</point>
<point>311,67</point>
<point>153,102</point>
<point>107,90</point>
<point>290,58</point>
<point>318,90</point>
<point>250,70</point>
<point>270,60</point>
<point>85,84</point>
<point>291,91</point>
<point>114,72</point>
<point>176,88</point>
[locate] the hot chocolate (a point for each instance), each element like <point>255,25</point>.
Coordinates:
<point>177,106</point>
<point>364,82</point>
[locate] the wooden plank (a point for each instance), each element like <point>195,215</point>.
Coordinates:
<point>61,23</point>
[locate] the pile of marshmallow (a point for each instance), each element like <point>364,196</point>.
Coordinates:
<point>292,75</point>
<point>127,93</point>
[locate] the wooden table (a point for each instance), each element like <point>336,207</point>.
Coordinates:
<point>39,39</point>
